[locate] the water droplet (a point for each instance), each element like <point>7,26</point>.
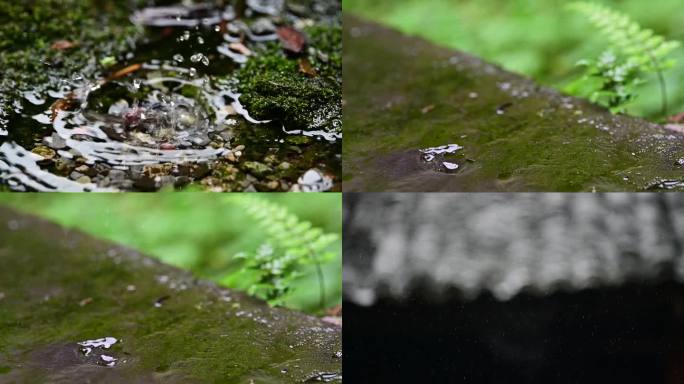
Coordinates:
<point>178,58</point>
<point>450,166</point>
<point>185,36</point>
<point>217,28</point>
<point>198,57</point>
<point>108,360</point>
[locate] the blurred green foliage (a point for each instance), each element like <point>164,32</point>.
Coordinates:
<point>539,38</point>
<point>197,231</point>
<point>291,244</point>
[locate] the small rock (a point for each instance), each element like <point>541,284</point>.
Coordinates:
<point>86,170</point>
<point>83,180</point>
<point>284,166</point>
<point>166,181</point>
<point>182,181</point>
<point>63,165</point>
<point>117,175</point>
<point>45,152</point>
<point>102,168</point>
<point>263,26</point>
<point>226,135</point>
<point>272,184</point>
<point>55,141</point>
<point>314,180</point>
<point>239,148</point>
<point>75,175</point>
<point>257,168</point>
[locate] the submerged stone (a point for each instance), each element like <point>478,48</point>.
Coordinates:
<point>199,333</point>
<point>403,94</point>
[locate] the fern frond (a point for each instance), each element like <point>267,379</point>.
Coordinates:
<point>290,244</point>
<point>638,44</point>
<point>640,49</point>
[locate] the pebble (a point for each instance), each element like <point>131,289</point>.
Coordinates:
<point>284,166</point>
<point>75,175</point>
<point>263,26</point>
<point>45,152</point>
<point>117,175</point>
<point>83,180</point>
<point>55,141</point>
<point>166,181</point>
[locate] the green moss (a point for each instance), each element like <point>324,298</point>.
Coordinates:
<point>198,334</point>
<point>273,87</point>
<point>542,141</point>
<point>29,29</point>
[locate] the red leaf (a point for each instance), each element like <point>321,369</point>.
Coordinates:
<point>292,40</point>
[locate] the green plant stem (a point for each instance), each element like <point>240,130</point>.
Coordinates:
<point>321,281</point>
<point>663,89</point>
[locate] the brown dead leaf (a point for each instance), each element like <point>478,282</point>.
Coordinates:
<point>125,71</point>
<point>292,40</point>
<point>240,48</point>
<point>306,68</point>
<point>62,45</point>
<point>427,109</point>
<point>64,104</point>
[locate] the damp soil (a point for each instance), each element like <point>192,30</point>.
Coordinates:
<point>404,97</point>
<point>204,96</point>
<point>77,309</point>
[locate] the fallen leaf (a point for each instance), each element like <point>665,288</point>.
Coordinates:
<point>306,68</point>
<point>125,71</point>
<point>240,48</point>
<point>64,104</point>
<point>427,109</point>
<point>292,40</point>
<point>62,45</point>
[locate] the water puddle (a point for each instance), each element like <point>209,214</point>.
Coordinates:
<point>95,350</point>
<point>444,158</point>
<point>324,377</point>
<point>169,106</point>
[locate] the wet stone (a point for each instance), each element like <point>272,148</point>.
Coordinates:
<point>519,135</point>
<point>121,337</point>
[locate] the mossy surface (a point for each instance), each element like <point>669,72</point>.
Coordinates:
<point>30,32</point>
<point>274,86</point>
<point>404,94</point>
<point>60,287</point>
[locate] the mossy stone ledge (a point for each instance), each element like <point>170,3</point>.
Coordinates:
<point>403,94</point>
<point>59,288</point>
